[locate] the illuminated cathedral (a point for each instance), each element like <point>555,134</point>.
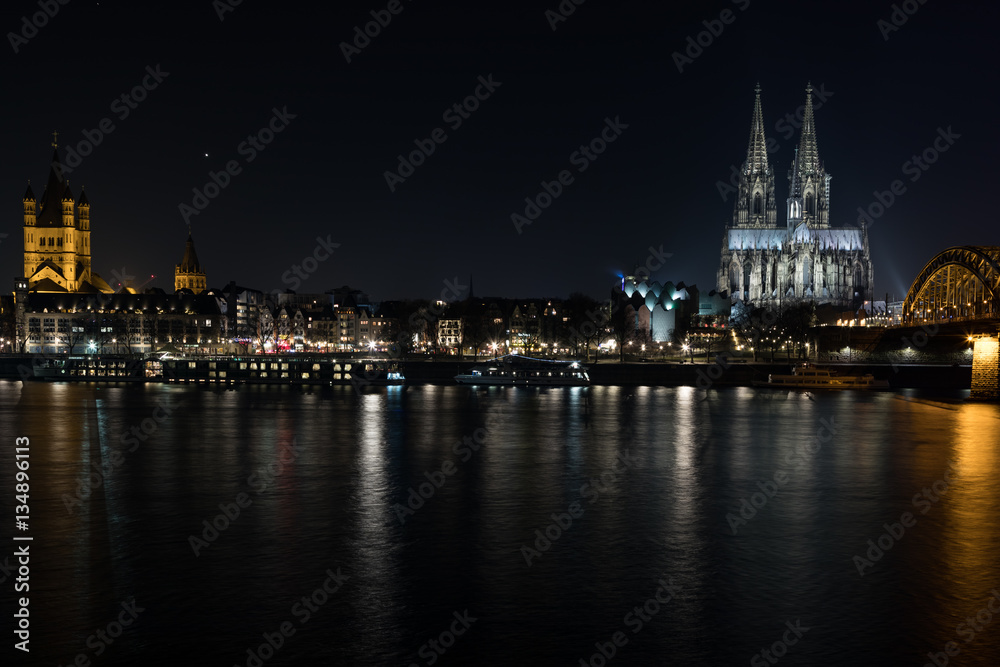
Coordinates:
<point>804,260</point>
<point>57,248</point>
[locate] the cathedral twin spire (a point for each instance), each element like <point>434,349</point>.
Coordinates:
<point>808,200</point>
<point>808,153</point>
<point>768,265</point>
<point>755,205</point>
<point>757,150</point>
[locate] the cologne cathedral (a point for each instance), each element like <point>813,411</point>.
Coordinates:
<point>805,260</point>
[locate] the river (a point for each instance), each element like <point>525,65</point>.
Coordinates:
<point>452,525</point>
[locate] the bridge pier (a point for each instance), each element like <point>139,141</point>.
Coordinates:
<point>985,368</point>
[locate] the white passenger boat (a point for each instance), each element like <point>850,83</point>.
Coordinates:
<point>516,370</point>
<point>808,376</point>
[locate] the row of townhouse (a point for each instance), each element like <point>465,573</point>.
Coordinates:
<point>231,320</point>
<point>239,319</point>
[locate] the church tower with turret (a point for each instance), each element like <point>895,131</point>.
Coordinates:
<point>57,254</point>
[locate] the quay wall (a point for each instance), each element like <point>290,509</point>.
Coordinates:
<point>734,374</point>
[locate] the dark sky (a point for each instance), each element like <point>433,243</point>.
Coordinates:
<point>656,185</point>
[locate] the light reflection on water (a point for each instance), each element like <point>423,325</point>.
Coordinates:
<point>326,471</point>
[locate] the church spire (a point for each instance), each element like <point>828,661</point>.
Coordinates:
<point>755,206</point>
<point>757,148</point>
<point>808,153</point>
<point>809,184</point>
<point>189,274</point>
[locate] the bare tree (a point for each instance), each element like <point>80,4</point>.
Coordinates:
<point>755,327</point>
<point>586,321</point>
<point>622,322</point>
<point>475,329</point>
<point>263,327</point>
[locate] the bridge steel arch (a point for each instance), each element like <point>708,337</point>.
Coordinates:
<point>960,283</point>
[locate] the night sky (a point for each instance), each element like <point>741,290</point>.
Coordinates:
<point>323,174</point>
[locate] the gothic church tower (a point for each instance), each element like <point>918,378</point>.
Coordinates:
<point>809,184</point>
<point>755,205</point>
<point>189,274</point>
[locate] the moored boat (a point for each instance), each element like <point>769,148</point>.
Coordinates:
<point>285,369</point>
<point>90,368</point>
<point>808,376</point>
<point>50,369</point>
<point>517,370</point>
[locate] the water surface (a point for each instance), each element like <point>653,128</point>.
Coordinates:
<point>647,484</point>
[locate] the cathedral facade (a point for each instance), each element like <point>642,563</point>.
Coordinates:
<point>57,250</point>
<point>804,260</point>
